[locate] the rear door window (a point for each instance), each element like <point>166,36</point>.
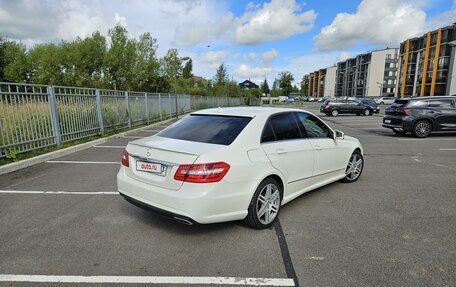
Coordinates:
<point>285,127</point>
<point>211,129</point>
<point>268,134</point>
<point>440,104</point>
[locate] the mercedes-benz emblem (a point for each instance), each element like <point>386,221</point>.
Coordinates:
<point>148,152</point>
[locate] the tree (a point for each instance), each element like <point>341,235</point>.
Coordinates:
<point>45,64</point>
<point>221,75</point>
<point>305,85</point>
<point>14,62</point>
<point>285,80</point>
<point>146,68</point>
<point>188,69</point>
<point>265,87</point>
<point>120,58</point>
<point>170,64</point>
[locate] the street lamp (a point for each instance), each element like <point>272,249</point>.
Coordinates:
<point>183,59</point>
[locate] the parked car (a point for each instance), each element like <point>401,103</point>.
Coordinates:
<point>384,100</point>
<point>421,116</point>
<point>229,164</point>
<point>289,101</point>
<point>369,103</point>
<point>336,107</point>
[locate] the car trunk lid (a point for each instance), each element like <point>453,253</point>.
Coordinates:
<point>165,154</point>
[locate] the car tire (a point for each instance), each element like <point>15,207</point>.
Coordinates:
<point>354,167</point>
<point>366,112</point>
<point>265,202</point>
<point>422,129</point>
<point>328,114</point>
<point>382,103</point>
<point>399,132</point>
<point>334,113</point>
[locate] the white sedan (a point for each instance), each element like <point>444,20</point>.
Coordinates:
<point>384,100</point>
<point>242,163</point>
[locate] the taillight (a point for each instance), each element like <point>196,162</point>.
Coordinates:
<point>125,159</point>
<point>327,106</point>
<point>404,111</point>
<point>202,173</point>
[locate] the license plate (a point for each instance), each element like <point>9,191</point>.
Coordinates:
<point>387,121</point>
<point>151,167</point>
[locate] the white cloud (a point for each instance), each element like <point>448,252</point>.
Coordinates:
<point>268,57</point>
<point>213,58</point>
<point>440,20</point>
<point>344,56</point>
<point>255,73</point>
<point>275,20</point>
<point>386,22</point>
<point>250,57</point>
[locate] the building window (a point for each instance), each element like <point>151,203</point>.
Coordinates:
<point>388,56</point>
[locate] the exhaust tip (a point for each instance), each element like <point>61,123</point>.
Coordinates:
<point>183,221</point>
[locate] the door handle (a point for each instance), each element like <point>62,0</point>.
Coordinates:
<point>281,151</point>
<point>317,147</point>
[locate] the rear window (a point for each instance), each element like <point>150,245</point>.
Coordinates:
<point>401,102</point>
<point>211,129</point>
<point>285,127</point>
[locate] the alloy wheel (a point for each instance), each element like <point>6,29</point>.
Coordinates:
<point>268,204</point>
<point>354,167</point>
<point>422,129</point>
<point>334,113</point>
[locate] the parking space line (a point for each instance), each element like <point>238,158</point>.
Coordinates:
<point>59,192</point>
<point>147,280</point>
<point>447,149</point>
<point>82,162</point>
<point>419,140</point>
<point>109,146</point>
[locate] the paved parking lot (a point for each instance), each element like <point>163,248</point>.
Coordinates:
<point>394,227</point>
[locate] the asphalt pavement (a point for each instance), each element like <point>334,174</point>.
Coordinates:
<point>394,227</point>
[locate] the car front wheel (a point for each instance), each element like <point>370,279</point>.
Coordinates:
<point>334,113</point>
<point>366,112</point>
<point>265,205</point>
<point>422,129</point>
<point>354,167</point>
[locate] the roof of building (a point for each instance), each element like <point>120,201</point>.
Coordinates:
<point>249,84</point>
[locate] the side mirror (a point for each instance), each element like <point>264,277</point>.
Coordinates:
<point>338,135</point>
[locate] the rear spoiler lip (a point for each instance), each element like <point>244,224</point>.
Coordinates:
<point>146,146</point>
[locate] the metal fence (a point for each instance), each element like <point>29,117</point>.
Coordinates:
<point>38,116</point>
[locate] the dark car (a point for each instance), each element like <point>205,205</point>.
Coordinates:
<point>369,103</point>
<point>421,116</point>
<point>336,107</point>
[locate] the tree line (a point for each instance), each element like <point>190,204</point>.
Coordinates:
<point>120,62</point>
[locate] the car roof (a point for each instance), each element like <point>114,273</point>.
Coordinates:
<point>429,98</point>
<point>244,111</point>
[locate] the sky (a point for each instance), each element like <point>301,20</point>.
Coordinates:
<point>255,39</point>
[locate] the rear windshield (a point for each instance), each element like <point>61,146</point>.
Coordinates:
<point>401,102</point>
<point>211,129</point>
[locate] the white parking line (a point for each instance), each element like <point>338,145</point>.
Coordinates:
<point>60,192</point>
<point>83,162</point>
<point>147,280</point>
<point>448,149</point>
<point>427,139</point>
<point>110,146</point>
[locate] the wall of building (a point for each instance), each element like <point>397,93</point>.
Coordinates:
<point>330,82</point>
<point>376,73</point>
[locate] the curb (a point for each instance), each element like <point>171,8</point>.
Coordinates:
<point>7,168</point>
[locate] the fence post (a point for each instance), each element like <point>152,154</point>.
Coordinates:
<point>128,108</point>
<point>160,106</point>
<point>54,115</point>
<point>147,108</point>
<point>169,105</point>
<point>99,111</point>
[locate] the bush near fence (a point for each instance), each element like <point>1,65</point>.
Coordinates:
<point>37,116</point>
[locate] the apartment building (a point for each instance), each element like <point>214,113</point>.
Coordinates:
<point>427,64</point>
<point>368,75</point>
<point>322,83</point>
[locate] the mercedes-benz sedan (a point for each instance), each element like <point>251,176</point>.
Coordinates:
<point>229,164</point>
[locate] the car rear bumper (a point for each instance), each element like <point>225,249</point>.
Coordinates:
<point>196,203</point>
<point>397,122</point>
